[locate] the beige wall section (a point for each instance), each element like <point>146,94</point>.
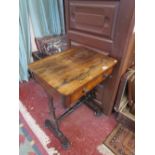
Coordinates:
<point>34,48</point>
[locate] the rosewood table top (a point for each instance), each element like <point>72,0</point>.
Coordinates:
<point>72,69</point>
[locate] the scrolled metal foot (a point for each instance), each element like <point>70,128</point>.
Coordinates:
<point>63,140</point>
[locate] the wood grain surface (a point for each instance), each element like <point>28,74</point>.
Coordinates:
<point>72,69</point>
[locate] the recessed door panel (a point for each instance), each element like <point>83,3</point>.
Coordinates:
<point>93,17</point>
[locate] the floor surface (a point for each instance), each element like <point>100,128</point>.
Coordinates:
<point>84,130</point>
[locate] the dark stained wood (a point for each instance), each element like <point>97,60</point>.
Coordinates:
<point>91,40</point>
<point>73,72</point>
<point>124,33</point>
<point>129,59</point>
<point>113,39</point>
<point>92,23</point>
<point>75,44</point>
<point>83,15</point>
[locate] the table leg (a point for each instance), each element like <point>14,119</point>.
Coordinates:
<point>91,104</point>
<point>53,125</point>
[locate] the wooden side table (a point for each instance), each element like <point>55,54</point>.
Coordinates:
<point>74,74</point>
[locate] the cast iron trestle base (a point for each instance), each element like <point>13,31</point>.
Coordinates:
<point>53,123</point>
<point>58,133</point>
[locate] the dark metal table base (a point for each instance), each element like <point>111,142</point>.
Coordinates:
<point>58,133</point>
<point>88,101</point>
<point>53,123</point>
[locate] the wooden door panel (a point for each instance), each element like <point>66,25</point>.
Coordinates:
<point>92,23</point>
<point>91,40</point>
<point>93,17</point>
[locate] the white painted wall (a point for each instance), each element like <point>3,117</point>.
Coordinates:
<point>34,47</point>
